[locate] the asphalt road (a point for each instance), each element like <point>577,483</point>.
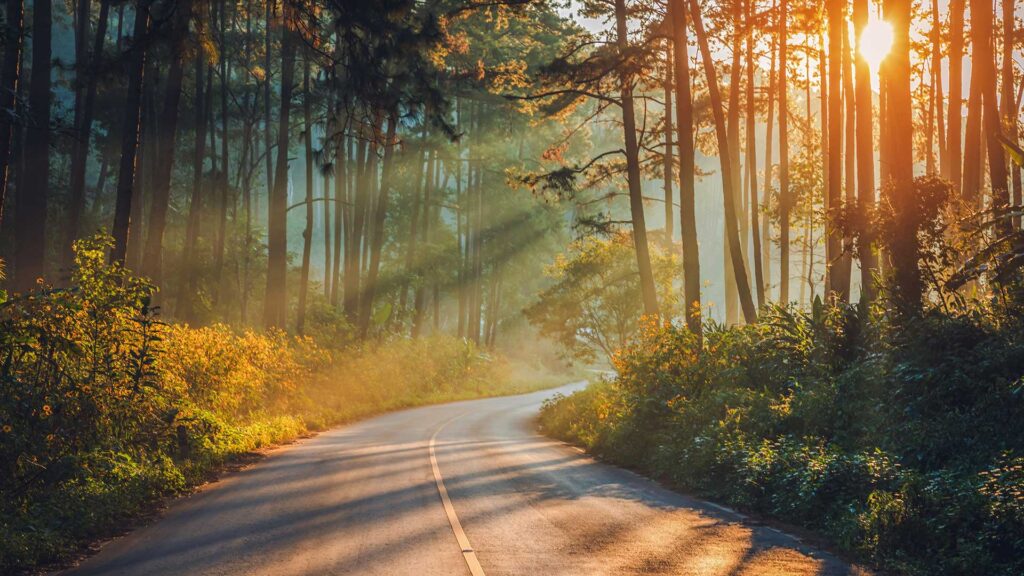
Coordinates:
<point>444,490</point>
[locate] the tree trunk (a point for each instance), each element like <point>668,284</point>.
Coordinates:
<point>130,133</point>
<point>1008,97</point>
<point>419,298</point>
<point>684,135</point>
<point>30,225</point>
<point>307,233</point>
<point>377,240</point>
<point>186,290</point>
<point>327,235</point>
<point>340,210</point>
<point>636,201</point>
<point>835,282</point>
<point>414,224</point>
<point>225,162</point>
<point>982,33</point>
<point>152,264</point>
<point>667,156</point>
<point>276,299</point>
<point>940,135</point>
<point>732,313</point>
<point>785,202</point>
<point>751,159</point>
<point>728,186</point>
<point>973,158</point>
<point>955,114</point>
<point>10,77</point>
<point>904,250</point>
<point>766,194</point>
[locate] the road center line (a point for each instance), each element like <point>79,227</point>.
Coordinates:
<point>467,551</point>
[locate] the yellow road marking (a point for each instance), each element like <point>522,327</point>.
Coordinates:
<point>467,550</point>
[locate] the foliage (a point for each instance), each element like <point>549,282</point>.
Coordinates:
<point>903,444</point>
<point>104,410</point>
<point>594,303</point>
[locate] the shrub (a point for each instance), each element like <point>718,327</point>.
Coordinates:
<point>903,443</point>
<point>104,410</point>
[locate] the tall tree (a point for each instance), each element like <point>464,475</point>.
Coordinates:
<point>905,249</point>
<point>167,136</point>
<point>785,200</point>
<point>724,148</point>
<point>380,214</point>
<point>10,77</point>
<point>30,226</point>
<point>636,201</point>
<point>275,301</point>
<point>836,283</point>
<point>684,136</point>
<point>751,157</point>
<point>954,133</point>
<point>1008,97</point>
<point>985,70</point>
<point>130,130</point>
<point>307,232</point>
<point>668,160</point>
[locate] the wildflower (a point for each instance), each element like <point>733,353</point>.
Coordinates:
<point>7,429</point>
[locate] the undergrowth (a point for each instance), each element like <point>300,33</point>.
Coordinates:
<point>904,444</point>
<point>105,410</point>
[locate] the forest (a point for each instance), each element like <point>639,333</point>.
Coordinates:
<point>791,229</point>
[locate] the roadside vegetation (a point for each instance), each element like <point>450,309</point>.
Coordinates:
<point>894,429</point>
<point>105,410</point>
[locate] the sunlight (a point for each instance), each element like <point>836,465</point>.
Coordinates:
<point>875,42</point>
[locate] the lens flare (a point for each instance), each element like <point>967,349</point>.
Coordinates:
<point>875,42</point>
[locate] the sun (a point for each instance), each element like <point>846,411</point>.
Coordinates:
<point>875,42</point>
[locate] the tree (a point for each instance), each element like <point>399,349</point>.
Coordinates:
<point>785,201</point>
<point>275,303</point>
<point>593,305</point>
<point>10,75</point>
<point>865,130</point>
<point>167,136</point>
<point>130,131</point>
<point>684,136</point>
<point>955,116</point>
<point>837,283</point>
<point>905,250</point>
<point>724,148</point>
<point>30,226</point>
<point>636,201</point>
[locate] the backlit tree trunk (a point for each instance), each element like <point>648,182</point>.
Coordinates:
<point>10,76</point>
<point>275,304</point>
<point>152,263</point>
<point>130,133</point>
<point>684,137</point>
<point>785,202</point>
<point>636,202</point>
<point>724,147</point>
<point>30,225</point>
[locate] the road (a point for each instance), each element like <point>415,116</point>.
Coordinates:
<point>367,499</point>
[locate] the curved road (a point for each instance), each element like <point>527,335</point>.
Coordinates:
<point>366,499</point>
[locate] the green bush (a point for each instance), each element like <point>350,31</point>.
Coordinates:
<point>904,444</point>
<point>104,410</point>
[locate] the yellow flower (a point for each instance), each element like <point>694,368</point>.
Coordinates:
<point>7,428</point>
<point>47,410</point>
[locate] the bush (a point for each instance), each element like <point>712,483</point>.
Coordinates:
<point>903,444</point>
<point>104,410</point>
